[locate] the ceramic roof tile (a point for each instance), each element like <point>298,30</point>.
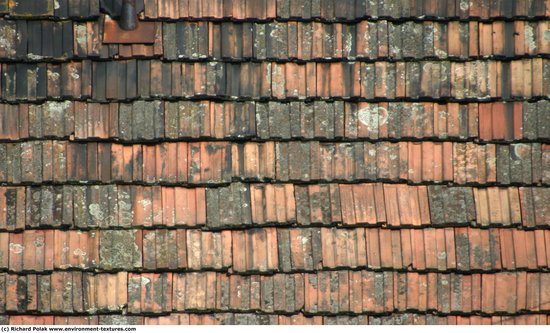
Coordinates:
<point>275,162</point>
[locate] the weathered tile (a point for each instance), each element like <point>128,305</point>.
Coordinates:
<point>120,249</point>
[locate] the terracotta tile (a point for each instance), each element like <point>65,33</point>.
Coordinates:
<point>75,249</point>
<point>149,292</point>
<point>130,244</point>
<point>16,252</point>
<point>374,253</point>
<point>299,249</point>
<point>324,292</point>
<point>418,250</point>
<point>259,252</point>
<point>65,288</point>
<point>392,161</point>
<point>459,210</point>
<point>540,248</point>
<point>12,208</point>
<point>235,211</point>
<point>373,296</point>
<point>4,248</point>
<point>295,80</point>
<point>353,199</point>
<point>537,84</point>
<point>544,292</point>
<point>288,289</point>
<point>346,247</point>
<point>444,292</point>
<point>412,209</point>
<point>400,291</point>
<point>477,255</point>
<point>207,249</point>
<point>504,207</point>
<point>507,249</point>
<point>254,161</point>
<point>31,320</point>
<point>96,295</point>
<point>318,204</point>
<point>75,320</point>
<point>386,252</point>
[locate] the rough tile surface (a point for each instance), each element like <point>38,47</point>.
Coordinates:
<point>276,162</point>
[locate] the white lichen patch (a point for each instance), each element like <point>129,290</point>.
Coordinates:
<point>96,212</point>
<point>530,37</point>
<point>440,53</point>
<point>149,237</point>
<point>32,74</point>
<point>16,248</point>
<point>39,241</point>
<point>521,150</point>
<point>79,252</point>
<point>145,281</point>
<point>373,117</point>
<point>33,56</point>
<point>145,203</point>
<point>57,107</point>
<point>52,76</point>
<point>74,73</point>
<point>348,42</point>
<point>8,37</point>
<point>81,34</point>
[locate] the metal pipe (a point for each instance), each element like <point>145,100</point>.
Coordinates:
<point>128,15</point>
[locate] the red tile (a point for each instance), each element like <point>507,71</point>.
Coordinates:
<point>505,293</point>
<point>31,320</point>
<point>544,291</point>
<point>363,204</point>
<point>521,285</point>
<point>255,250</point>
<point>4,248</point>
<point>345,248</point>
<point>396,252</point>
<point>295,78</point>
<point>106,291</point>
<point>497,206</point>
<point>418,250</point>
<point>149,292</point>
<point>373,248</point>
<point>386,252</point>
<point>430,247</point>
<point>507,249</point>
<point>16,252</point>
<point>412,285</point>
<point>533,300</point>
<point>190,206</point>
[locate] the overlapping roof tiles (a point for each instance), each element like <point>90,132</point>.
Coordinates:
<point>276,162</point>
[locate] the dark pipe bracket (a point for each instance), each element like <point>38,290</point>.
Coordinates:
<point>122,26</point>
<point>128,17</point>
<point>114,7</point>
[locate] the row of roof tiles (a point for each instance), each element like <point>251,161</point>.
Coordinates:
<point>270,249</point>
<point>333,292</point>
<point>130,79</point>
<point>285,9</point>
<point>221,162</point>
<point>240,205</point>
<point>282,40</point>
<point>158,120</point>
<point>228,318</point>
